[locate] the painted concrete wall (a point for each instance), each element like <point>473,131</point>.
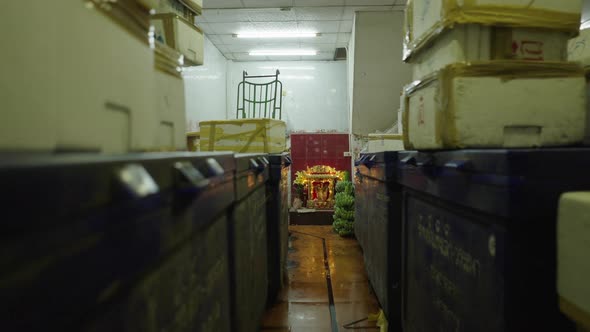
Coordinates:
<point>315,92</point>
<point>378,70</point>
<point>205,88</point>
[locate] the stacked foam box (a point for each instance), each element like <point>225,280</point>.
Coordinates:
<point>579,51</point>
<point>573,258</point>
<point>174,25</point>
<point>490,75</point>
<point>170,99</point>
<point>76,77</point>
<point>385,142</point>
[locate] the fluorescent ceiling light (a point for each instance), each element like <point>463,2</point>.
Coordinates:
<point>282,52</point>
<point>277,35</point>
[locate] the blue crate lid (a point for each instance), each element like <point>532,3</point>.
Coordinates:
<point>381,165</point>
<point>501,182</point>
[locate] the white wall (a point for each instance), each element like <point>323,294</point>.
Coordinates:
<point>316,92</point>
<point>205,88</point>
<point>379,73</point>
<point>350,71</point>
<point>586,14</point>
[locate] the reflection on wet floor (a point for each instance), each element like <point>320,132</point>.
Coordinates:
<point>305,304</point>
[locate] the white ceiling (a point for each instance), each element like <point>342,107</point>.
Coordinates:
<point>222,19</point>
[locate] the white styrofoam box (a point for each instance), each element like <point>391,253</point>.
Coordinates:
<point>587,132</point>
<point>504,104</point>
<point>426,19</point>
<point>400,113</point>
<point>104,84</point>
<point>579,48</point>
<point>28,95</point>
<point>181,35</point>
<point>475,42</point>
<point>171,111</point>
<point>573,255</point>
<point>400,116</point>
<point>149,4</point>
<point>244,136</point>
<point>194,5</point>
<point>91,91</point>
<point>385,142</point>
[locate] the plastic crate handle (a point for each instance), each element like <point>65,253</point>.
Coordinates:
<point>257,166</point>
<point>136,182</point>
<point>460,165</point>
<point>189,180</point>
<point>370,161</point>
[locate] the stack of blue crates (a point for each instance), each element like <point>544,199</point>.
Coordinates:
<point>248,243</point>
<point>378,224</point>
<point>478,248</point>
<point>115,243</point>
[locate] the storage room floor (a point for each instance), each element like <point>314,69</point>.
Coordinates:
<point>327,285</point>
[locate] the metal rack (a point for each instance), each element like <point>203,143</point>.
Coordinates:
<point>260,100</point>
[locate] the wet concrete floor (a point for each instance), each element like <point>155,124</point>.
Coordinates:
<point>319,296</point>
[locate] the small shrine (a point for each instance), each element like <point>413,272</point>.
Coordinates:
<point>318,184</point>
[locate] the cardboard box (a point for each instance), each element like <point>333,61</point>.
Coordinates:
<point>426,20</point>
<point>475,42</point>
<point>573,256</point>
<point>503,104</point>
<point>385,142</point>
<point>181,35</point>
<point>192,141</point>
<point>92,89</point>
<point>244,136</point>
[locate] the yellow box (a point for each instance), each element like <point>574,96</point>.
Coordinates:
<point>244,136</point>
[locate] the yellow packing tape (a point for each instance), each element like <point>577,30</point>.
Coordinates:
<point>445,130</point>
<point>379,137</point>
<point>497,15</point>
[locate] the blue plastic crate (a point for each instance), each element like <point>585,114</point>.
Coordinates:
<point>479,237</point>
<point>277,222</point>
<point>248,243</point>
<point>81,231</point>
<point>381,197</point>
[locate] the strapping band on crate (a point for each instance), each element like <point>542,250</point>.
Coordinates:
<point>130,14</point>
<point>471,12</point>
<point>445,130</point>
